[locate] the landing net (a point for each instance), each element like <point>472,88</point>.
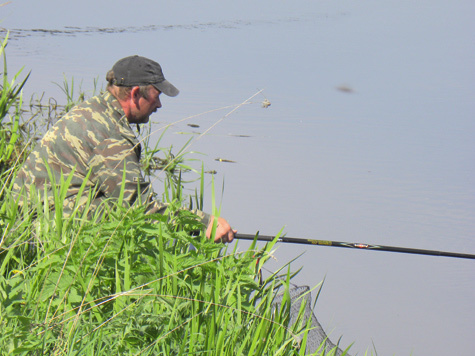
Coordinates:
<point>316,336</point>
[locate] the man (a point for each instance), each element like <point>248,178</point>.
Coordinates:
<point>94,145</point>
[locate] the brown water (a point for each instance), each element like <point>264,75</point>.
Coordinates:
<point>369,138</point>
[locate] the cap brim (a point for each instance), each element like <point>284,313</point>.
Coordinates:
<point>167,88</point>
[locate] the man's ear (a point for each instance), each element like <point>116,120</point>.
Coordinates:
<point>135,92</point>
<point>135,95</point>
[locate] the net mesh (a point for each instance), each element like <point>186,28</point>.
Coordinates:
<point>316,336</point>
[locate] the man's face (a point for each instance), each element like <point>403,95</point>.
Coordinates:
<point>142,108</point>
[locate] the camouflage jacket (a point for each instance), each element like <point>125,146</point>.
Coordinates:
<point>95,143</point>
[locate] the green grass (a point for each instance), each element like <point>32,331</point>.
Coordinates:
<point>127,283</point>
<point>130,284</point>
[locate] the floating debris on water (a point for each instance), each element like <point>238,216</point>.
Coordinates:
<point>239,135</point>
<point>345,89</point>
<point>266,104</point>
<point>193,125</point>
<point>187,133</point>
<point>224,160</point>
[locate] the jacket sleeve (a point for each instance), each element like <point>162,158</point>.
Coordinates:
<point>115,163</point>
<point>108,162</point>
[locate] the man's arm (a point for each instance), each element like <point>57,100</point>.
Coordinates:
<point>108,163</point>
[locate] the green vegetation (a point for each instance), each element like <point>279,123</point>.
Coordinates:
<point>10,96</point>
<point>126,283</point>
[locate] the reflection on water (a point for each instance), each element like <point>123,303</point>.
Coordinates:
<point>88,30</point>
<point>369,138</point>
<point>72,31</point>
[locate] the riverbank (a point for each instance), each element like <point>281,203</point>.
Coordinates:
<point>125,282</point>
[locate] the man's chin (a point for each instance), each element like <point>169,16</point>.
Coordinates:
<point>144,120</point>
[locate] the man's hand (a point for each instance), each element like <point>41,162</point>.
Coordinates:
<point>224,232</point>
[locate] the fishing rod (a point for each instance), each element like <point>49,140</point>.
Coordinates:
<point>363,246</point>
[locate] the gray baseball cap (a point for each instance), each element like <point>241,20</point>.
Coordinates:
<point>137,70</point>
